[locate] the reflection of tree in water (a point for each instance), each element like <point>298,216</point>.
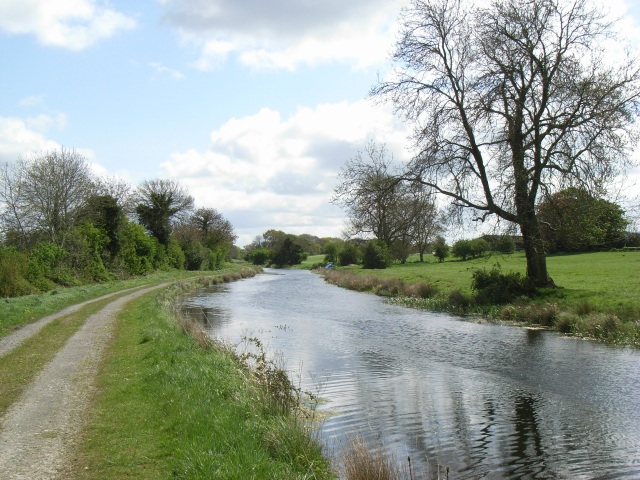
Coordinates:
<point>526,445</point>
<point>210,317</point>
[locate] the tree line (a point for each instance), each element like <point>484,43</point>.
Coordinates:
<point>62,225</point>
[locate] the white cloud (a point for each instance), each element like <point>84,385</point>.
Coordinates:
<point>284,34</point>
<point>164,70</point>
<point>72,24</point>
<point>17,139</point>
<point>21,137</point>
<point>265,171</point>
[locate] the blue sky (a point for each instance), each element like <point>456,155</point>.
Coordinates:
<point>253,105</point>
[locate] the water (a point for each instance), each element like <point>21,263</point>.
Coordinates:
<point>487,401</point>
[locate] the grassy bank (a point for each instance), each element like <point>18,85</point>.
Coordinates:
<point>173,405</point>
<point>17,311</point>
<point>598,294</point>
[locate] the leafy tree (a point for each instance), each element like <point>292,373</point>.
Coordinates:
<point>505,245</point>
<point>376,255</point>
<point>479,246</point>
<point>330,252</point>
<point>509,99</point>
<point>349,254</point>
<point>462,249</point>
<point>104,212</point>
<point>440,248</point>
<point>288,253</point>
<point>574,220</point>
<point>259,256</point>
<point>158,204</point>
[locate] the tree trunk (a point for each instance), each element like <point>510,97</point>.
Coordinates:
<point>534,251</point>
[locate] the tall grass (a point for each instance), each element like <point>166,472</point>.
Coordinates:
<point>17,311</point>
<point>598,294</point>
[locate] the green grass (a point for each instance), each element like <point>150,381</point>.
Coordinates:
<point>170,409</point>
<point>310,261</point>
<point>592,287</point>
<point>20,310</point>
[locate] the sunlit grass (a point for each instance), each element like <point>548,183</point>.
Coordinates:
<point>20,310</point>
<point>169,408</point>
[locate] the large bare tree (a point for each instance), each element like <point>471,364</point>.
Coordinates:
<point>512,101</point>
<point>42,194</point>
<point>379,202</point>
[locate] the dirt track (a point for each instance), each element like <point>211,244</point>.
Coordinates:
<point>39,430</point>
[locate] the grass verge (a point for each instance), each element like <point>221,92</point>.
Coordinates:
<point>172,405</point>
<point>17,311</point>
<point>598,296</point>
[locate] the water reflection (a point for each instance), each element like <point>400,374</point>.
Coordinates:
<point>486,400</point>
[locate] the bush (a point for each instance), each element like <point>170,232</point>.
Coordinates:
<point>462,249</point>
<point>376,255</point>
<point>348,254</point>
<point>566,322</point>
<point>459,301</point>
<point>494,287</point>
<point>420,290</point>
<point>12,273</point>
<point>505,245</point>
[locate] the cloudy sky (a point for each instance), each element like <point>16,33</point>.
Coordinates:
<point>253,105</point>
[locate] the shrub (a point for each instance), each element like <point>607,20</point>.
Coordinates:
<point>420,290</point>
<point>544,314</point>
<point>598,325</point>
<point>459,301</point>
<point>505,245</point>
<point>376,255</point>
<point>46,266</point>
<point>12,273</point>
<point>348,254</point>
<point>494,287</point>
<point>566,321</point>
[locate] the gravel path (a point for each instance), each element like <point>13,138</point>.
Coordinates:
<point>38,431</point>
<point>10,342</point>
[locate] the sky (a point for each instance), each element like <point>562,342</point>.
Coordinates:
<point>252,105</point>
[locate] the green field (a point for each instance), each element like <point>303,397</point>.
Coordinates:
<point>597,294</point>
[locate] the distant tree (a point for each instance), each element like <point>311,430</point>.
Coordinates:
<point>159,203</point>
<point>349,254</point>
<point>288,253</point>
<point>479,246</point>
<point>573,220</point>
<point>440,248</point>
<point>462,249</point>
<point>104,212</point>
<point>508,100</point>
<point>382,204</point>
<point>505,245</point>
<point>330,252</point>
<point>376,255</point>
<point>426,223</point>
<point>372,196</point>
<point>258,256</point>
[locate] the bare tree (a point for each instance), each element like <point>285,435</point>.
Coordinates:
<point>370,193</point>
<point>382,204</point>
<point>427,221</point>
<point>43,193</point>
<point>512,101</point>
